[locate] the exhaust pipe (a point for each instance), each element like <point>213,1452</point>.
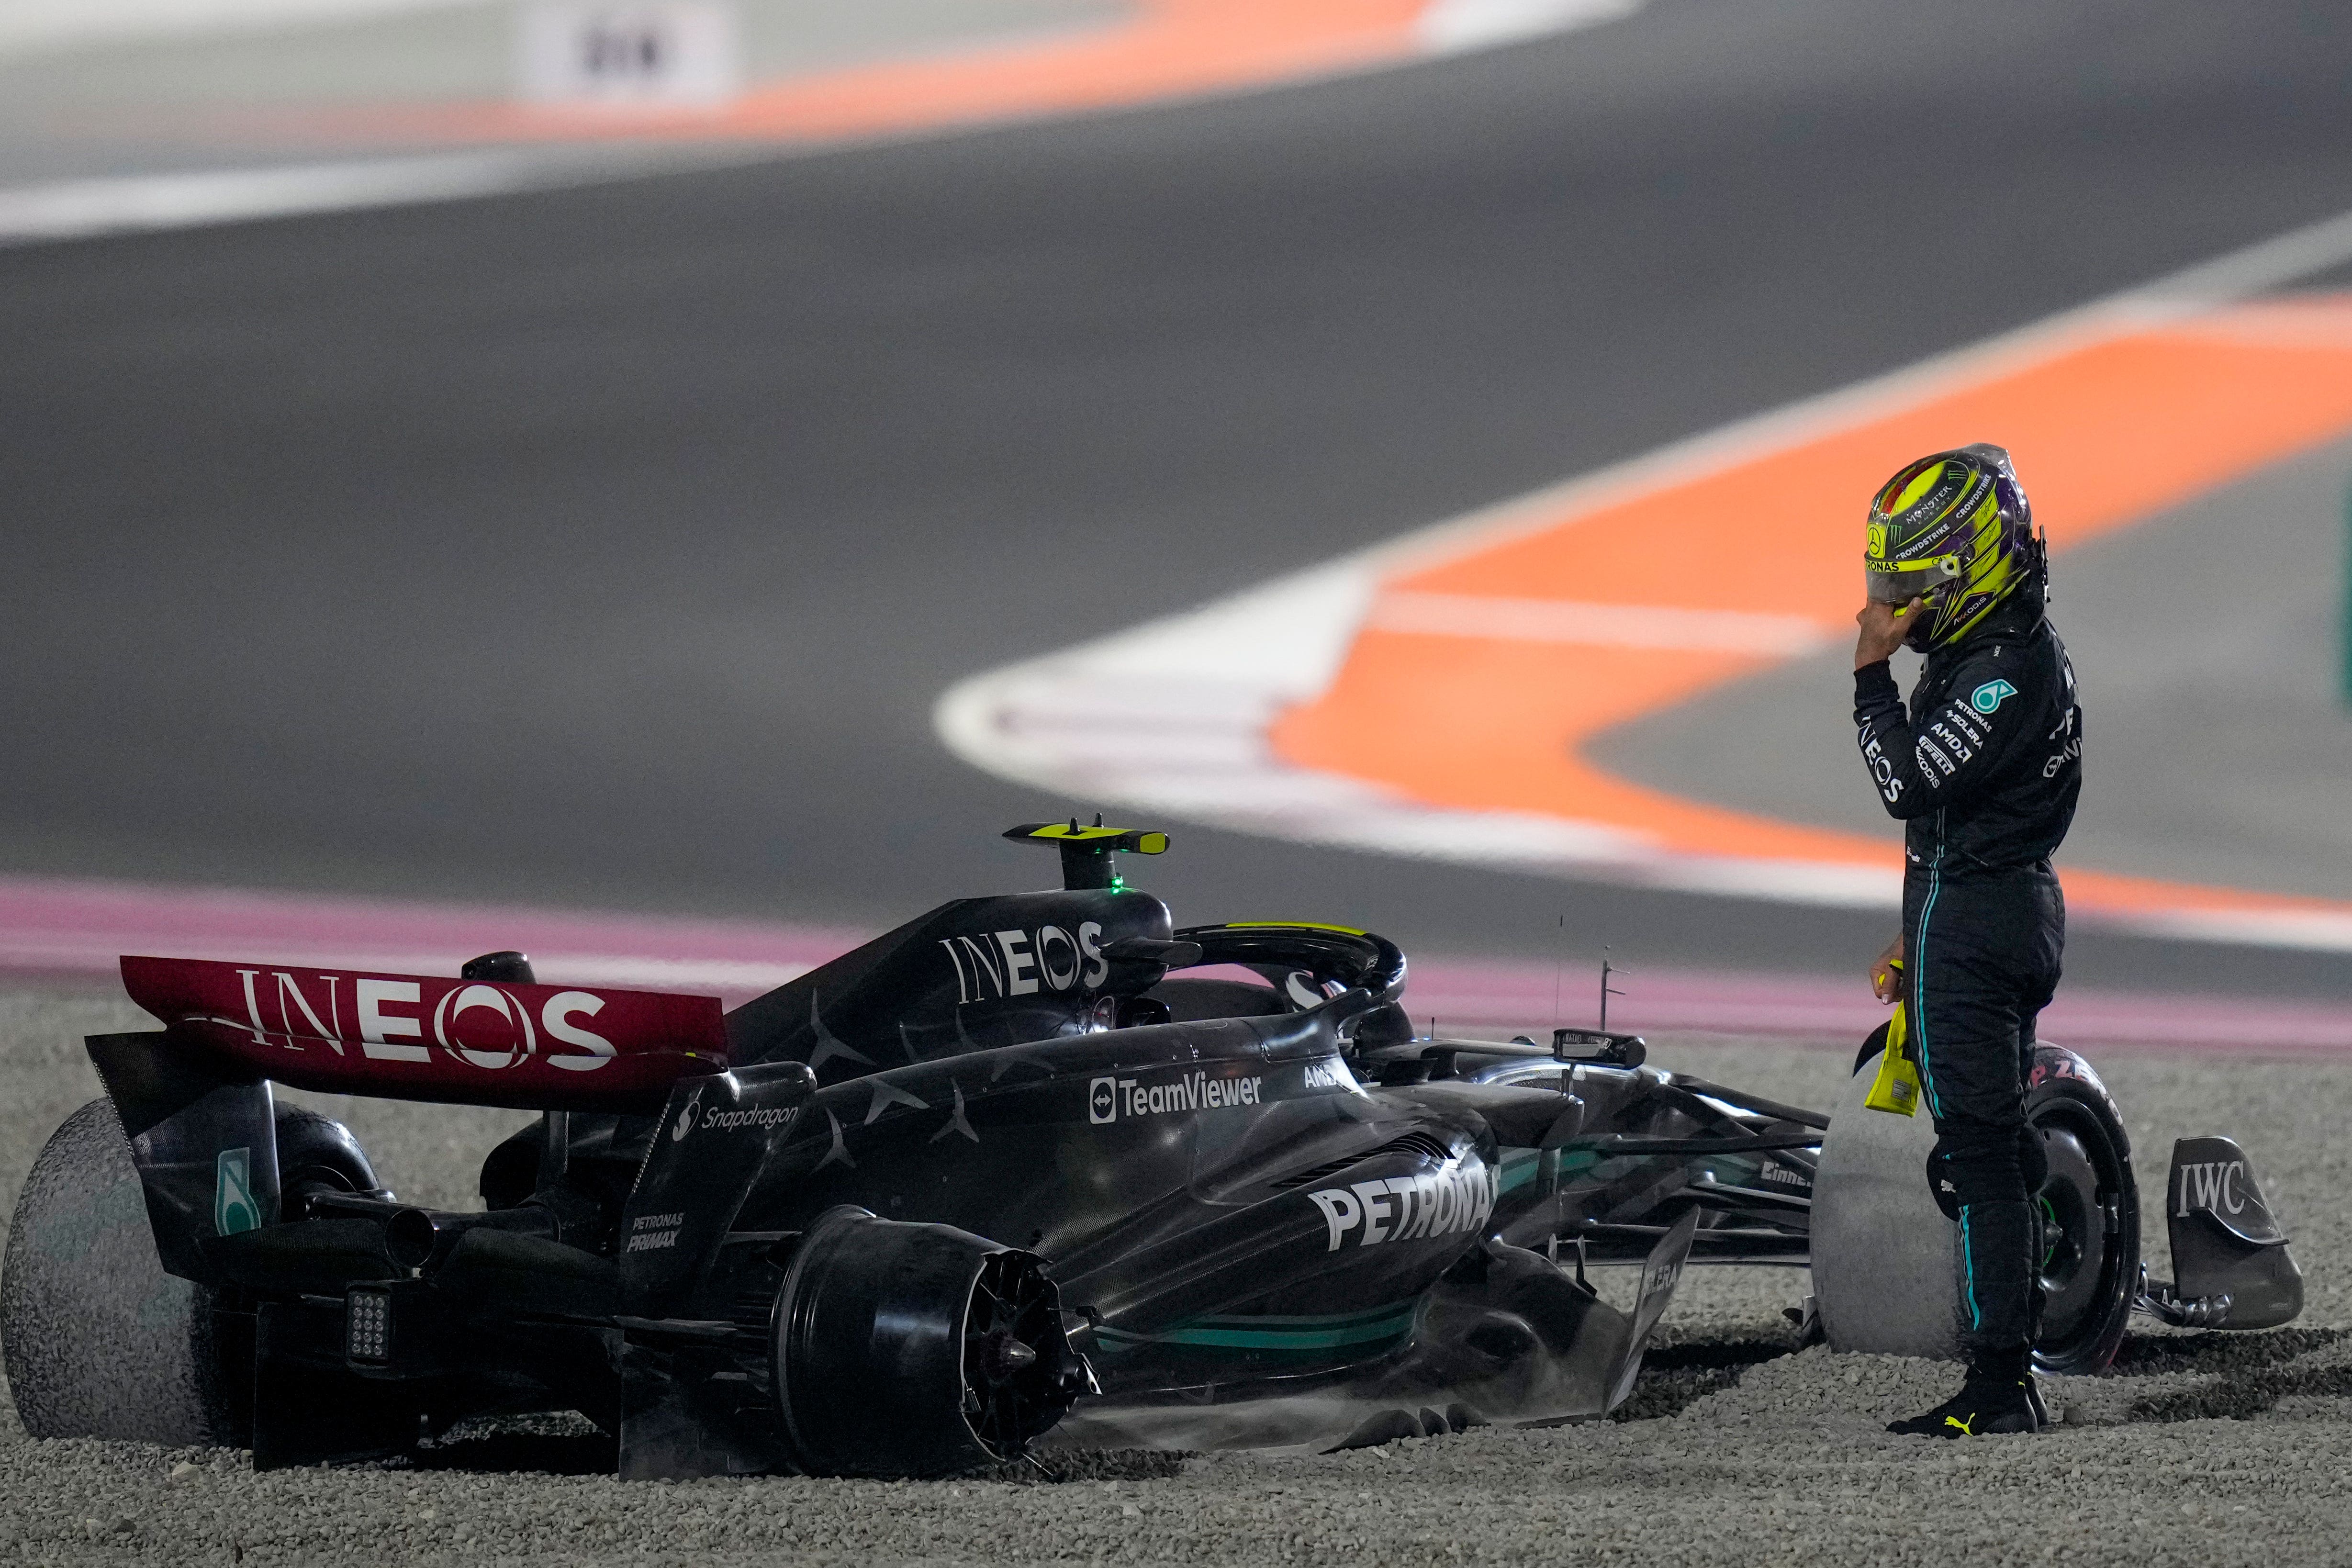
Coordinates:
<point>417,1237</point>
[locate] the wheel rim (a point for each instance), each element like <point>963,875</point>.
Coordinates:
<point>1014,1382</point>
<point>2074,1240</point>
<point>2082,1267</point>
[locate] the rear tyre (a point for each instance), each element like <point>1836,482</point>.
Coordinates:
<point>99,1341</point>
<point>1884,1258</point>
<point>318,1155</point>
<point>916,1349</point>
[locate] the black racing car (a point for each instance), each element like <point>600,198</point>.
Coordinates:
<point>1035,1168</point>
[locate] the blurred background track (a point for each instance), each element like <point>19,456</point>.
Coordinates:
<point>108,87</point>
<point>609,546</point>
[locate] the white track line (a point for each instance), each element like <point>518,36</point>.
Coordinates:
<point>1457,26</point>
<point>1603,625</point>
<point>29,26</point>
<point>82,209</point>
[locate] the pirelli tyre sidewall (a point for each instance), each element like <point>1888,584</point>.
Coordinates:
<point>2089,1206</point>
<point>1882,1252</point>
<point>1884,1265</point>
<point>99,1341</point>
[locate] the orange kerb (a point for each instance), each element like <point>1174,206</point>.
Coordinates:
<point>2105,433</point>
<point>1165,49</point>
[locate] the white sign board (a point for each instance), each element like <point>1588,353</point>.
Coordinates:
<point>656,54</point>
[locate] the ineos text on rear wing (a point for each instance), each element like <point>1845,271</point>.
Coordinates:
<point>412,1036</point>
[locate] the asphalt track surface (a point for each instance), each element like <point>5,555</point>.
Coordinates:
<point>610,546</point>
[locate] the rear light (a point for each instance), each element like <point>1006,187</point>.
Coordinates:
<point>367,1325</point>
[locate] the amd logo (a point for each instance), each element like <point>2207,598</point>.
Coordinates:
<point>2212,1185</point>
<point>1002,963</point>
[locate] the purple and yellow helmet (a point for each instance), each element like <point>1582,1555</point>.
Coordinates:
<point>1954,529</point>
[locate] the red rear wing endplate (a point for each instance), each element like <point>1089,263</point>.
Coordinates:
<point>415,1037</point>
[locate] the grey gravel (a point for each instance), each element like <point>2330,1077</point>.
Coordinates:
<point>1748,1454</point>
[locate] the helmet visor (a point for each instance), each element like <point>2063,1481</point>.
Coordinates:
<point>1900,582</point>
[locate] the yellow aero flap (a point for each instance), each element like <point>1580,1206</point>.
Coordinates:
<point>1131,842</point>
<point>1296,925</point>
<point>1896,1090</point>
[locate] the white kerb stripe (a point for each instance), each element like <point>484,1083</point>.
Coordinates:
<point>1603,625</point>
<point>75,209</point>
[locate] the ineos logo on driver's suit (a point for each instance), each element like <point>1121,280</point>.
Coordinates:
<point>1882,767</point>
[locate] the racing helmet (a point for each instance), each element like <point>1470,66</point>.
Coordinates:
<point>1954,529</point>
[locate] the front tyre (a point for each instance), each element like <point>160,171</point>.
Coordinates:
<point>99,1341</point>
<point>2089,1207</point>
<point>916,1349</point>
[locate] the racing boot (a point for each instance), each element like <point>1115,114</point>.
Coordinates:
<point>1998,1397</point>
<point>2042,1422</point>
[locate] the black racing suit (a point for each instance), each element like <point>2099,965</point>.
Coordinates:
<point>1984,771</point>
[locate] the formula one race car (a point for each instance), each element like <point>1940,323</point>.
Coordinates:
<point>1037,1168</point>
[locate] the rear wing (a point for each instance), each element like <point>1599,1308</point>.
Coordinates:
<point>414,1037</point>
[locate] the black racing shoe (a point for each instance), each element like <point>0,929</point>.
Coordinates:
<point>1984,1407</point>
<point>2042,1422</point>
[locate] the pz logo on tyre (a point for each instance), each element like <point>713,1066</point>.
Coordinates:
<point>1102,1100</point>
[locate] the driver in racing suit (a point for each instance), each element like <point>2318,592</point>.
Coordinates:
<point>1984,770</point>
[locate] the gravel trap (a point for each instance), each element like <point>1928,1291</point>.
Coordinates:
<point>1737,1448</point>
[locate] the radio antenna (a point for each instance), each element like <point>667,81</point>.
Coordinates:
<point>1606,971</point>
<point>1559,968</point>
